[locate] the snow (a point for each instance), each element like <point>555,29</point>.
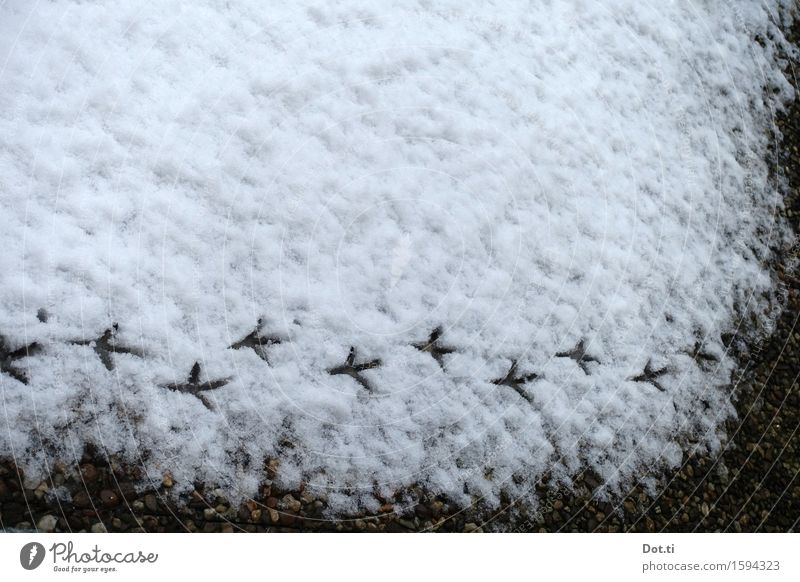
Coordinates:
<point>523,177</point>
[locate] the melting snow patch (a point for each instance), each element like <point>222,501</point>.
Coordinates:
<point>392,244</point>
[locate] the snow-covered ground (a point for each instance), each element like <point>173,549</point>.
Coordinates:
<point>573,189</point>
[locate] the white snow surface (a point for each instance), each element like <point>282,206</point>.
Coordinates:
<point>524,176</point>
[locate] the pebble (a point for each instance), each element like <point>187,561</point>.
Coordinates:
<point>89,472</point>
<point>127,490</point>
<point>150,503</point>
<point>99,528</point>
<point>274,516</point>
<point>47,524</point>
<point>291,503</point>
<point>109,499</point>
<point>82,500</point>
<point>408,524</point>
<point>40,490</point>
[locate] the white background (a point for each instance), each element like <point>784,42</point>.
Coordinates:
<point>404,557</point>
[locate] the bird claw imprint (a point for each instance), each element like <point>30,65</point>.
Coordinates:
<point>579,355</point>
<point>433,347</point>
<point>106,345</point>
<point>699,356</point>
<point>649,375</point>
<point>256,341</point>
<point>350,368</point>
<point>9,356</point>
<point>194,387</point>
<point>516,382</point>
